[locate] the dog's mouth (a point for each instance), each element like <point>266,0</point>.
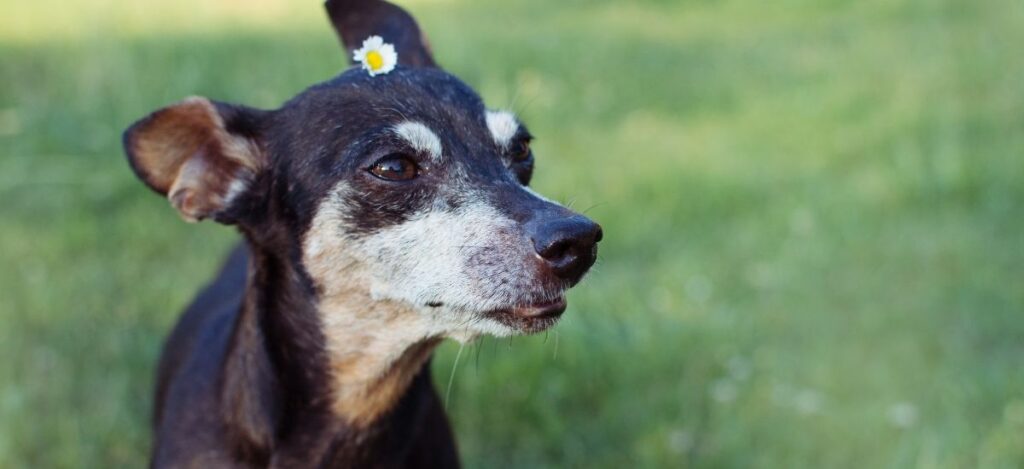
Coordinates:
<point>531,318</point>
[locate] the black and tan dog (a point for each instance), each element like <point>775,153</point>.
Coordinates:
<point>382,214</point>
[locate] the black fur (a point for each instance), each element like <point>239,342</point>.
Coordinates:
<point>247,387</point>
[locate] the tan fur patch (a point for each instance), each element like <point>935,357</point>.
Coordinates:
<point>185,152</point>
<point>374,353</point>
<point>375,347</point>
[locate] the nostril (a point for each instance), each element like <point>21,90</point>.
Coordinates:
<point>599,235</point>
<point>556,250</point>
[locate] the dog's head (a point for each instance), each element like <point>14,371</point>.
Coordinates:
<point>401,188</point>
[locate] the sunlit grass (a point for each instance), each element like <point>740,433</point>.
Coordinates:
<point>40,21</point>
<point>813,214</point>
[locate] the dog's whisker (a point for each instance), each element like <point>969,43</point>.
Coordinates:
<point>451,377</point>
<point>522,110</point>
<point>599,204</point>
<point>470,320</point>
<point>478,346</point>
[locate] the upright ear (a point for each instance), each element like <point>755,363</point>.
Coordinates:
<point>201,154</point>
<point>356,20</point>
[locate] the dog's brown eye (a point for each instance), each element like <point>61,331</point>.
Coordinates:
<point>395,167</point>
<point>520,151</point>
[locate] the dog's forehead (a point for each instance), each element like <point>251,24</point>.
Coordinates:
<point>356,102</point>
<point>338,122</point>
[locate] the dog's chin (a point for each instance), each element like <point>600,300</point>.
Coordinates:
<point>529,319</point>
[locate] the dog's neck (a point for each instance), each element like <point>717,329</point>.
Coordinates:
<point>374,350</point>
<point>319,371</point>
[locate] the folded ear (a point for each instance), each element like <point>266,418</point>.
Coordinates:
<point>202,155</point>
<point>356,20</point>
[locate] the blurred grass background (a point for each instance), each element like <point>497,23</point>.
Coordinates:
<point>814,217</point>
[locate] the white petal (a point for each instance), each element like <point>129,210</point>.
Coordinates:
<point>373,42</point>
<point>390,58</point>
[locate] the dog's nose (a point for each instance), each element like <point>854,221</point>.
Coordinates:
<point>568,245</point>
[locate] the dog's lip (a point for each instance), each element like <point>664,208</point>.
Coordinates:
<point>531,318</point>
<point>543,309</point>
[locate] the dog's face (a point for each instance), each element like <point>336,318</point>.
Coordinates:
<point>403,188</point>
<point>424,196</point>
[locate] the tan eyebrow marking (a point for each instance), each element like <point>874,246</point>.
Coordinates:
<point>420,137</point>
<point>503,126</point>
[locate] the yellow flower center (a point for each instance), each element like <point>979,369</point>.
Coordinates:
<point>374,60</point>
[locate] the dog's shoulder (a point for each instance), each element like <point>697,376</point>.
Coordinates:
<point>187,398</point>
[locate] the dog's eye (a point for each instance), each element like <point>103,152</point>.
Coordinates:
<point>520,151</point>
<point>395,167</point>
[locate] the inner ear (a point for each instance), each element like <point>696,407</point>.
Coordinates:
<point>200,154</point>
<point>356,20</point>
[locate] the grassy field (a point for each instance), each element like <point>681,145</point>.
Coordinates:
<point>814,218</point>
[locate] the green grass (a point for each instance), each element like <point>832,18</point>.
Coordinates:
<point>814,217</point>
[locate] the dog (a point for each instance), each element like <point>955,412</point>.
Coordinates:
<point>381,214</point>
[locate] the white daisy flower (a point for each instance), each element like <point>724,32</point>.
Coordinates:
<point>376,56</point>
